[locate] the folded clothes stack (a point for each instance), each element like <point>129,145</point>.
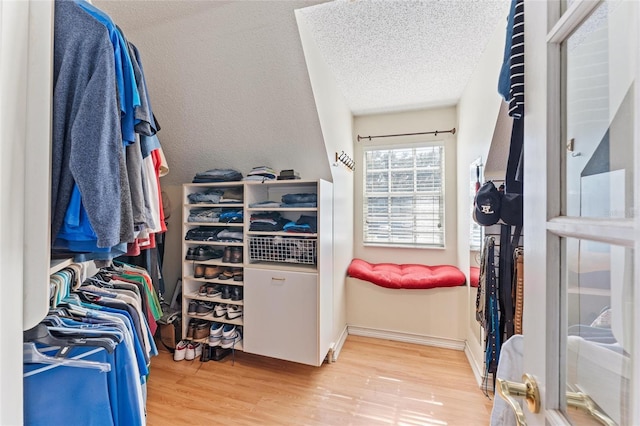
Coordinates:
<point>210,196</point>
<point>300,200</point>
<point>218,175</point>
<point>288,174</point>
<point>261,174</point>
<point>232,195</point>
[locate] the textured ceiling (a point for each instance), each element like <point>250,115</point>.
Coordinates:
<point>396,55</point>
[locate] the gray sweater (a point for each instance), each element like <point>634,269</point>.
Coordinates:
<point>87,141</point>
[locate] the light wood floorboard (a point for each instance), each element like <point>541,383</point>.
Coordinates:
<point>374,382</point>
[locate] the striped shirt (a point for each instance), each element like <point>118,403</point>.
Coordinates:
<point>516,61</point>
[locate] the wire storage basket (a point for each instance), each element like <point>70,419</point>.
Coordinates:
<point>282,249</point>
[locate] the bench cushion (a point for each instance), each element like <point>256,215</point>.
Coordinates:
<point>413,276</point>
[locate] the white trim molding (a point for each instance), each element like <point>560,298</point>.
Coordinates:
<point>439,342</point>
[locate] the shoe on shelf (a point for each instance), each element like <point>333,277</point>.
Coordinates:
<point>238,275</point>
<point>191,251</point>
<point>204,308</point>
<point>236,293</point>
<point>213,291</point>
<point>215,334</point>
<point>220,310</point>
<point>198,271</point>
<point>193,307</point>
<point>226,292</point>
<point>211,272</point>
<point>181,350</point>
<point>227,274</point>
<point>191,329</point>
<point>226,257</point>
<point>230,336</point>
<point>234,312</point>
<point>236,255</point>
<point>202,291</point>
<point>202,330</point>
<point>194,350</point>
<point>206,253</point>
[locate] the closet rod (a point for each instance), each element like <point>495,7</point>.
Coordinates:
<point>452,131</point>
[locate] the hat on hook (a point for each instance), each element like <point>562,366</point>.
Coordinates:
<point>487,202</point>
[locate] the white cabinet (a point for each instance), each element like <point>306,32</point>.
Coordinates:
<point>282,315</point>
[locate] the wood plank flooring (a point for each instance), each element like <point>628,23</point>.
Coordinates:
<point>374,382</point>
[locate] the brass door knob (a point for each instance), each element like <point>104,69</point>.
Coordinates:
<point>528,390</point>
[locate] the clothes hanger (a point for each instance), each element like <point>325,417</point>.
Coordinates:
<point>41,334</point>
<point>98,282</point>
<point>31,355</point>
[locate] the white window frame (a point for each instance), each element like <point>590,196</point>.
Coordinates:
<point>390,242</point>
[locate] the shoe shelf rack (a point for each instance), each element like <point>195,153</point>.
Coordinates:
<point>286,277</point>
<point>210,196</point>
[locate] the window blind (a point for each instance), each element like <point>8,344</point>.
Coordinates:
<point>404,196</point>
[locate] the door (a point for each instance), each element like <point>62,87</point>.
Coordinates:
<point>581,223</point>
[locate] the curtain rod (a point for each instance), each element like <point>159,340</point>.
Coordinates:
<point>452,131</point>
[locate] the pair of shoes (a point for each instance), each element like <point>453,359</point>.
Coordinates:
<point>230,312</point>
<point>194,350</point>
<point>181,350</point>
<point>232,254</point>
<point>232,272</point>
<point>230,336</point>
<point>197,329</point>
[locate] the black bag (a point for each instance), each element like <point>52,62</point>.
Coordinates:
<point>511,209</point>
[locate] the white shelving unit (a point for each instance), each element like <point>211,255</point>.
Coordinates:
<point>288,276</point>
<point>191,284</point>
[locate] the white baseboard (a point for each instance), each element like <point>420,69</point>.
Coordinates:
<point>439,342</point>
<point>475,366</point>
<point>336,347</point>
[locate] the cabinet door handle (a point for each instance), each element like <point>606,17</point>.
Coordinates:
<point>277,279</point>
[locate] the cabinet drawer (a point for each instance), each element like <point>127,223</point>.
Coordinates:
<point>281,315</point>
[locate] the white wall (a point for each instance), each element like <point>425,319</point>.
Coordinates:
<point>25,115</point>
<point>477,114</point>
<point>336,122</point>
<point>421,314</point>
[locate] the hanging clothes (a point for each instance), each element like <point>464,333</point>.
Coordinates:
<point>83,221</point>
<point>92,351</point>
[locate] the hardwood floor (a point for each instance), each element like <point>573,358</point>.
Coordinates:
<point>373,382</point>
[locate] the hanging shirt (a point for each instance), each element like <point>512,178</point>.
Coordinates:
<point>85,150</point>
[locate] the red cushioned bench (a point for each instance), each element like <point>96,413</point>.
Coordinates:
<point>411,276</point>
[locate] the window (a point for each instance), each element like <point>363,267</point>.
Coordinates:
<point>404,195</point>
